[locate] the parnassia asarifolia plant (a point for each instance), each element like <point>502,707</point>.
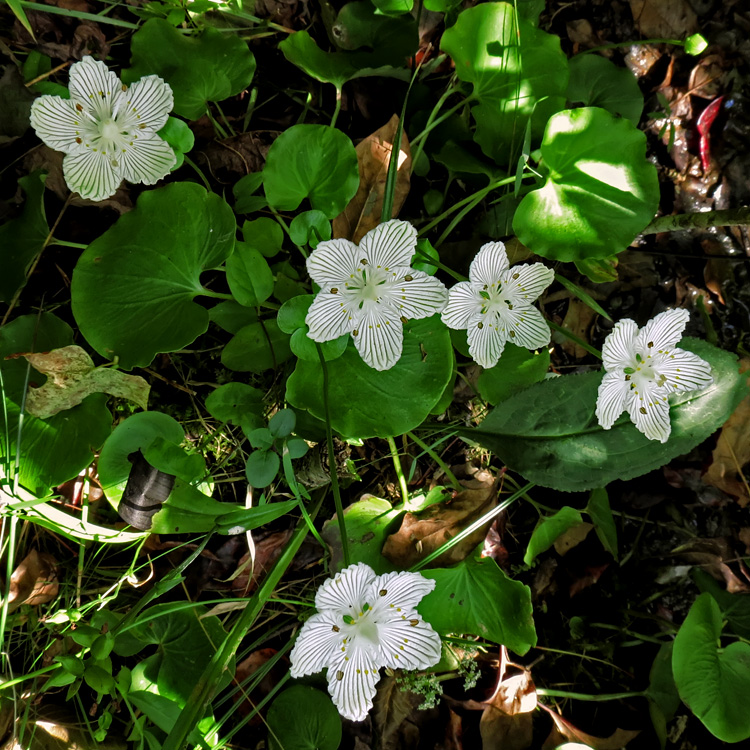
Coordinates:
<point>362,339</point>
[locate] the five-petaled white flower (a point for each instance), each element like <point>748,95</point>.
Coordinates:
<point>495,305</point>
<point>370,291</point>
<point>107,130</point>
<point>643,368</point>
<point>365,622</point>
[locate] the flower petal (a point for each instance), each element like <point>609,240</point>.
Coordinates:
<point>55,121</point>
<point>399,590</point>
<point>464,303</point>
<point>147,160</point>
<point>328,317</point>
<point>649,410</point>
<point>408,642</point>
<point>346,590</point>
<point>618,350</point>
<point>663,331</point>
<point>91,174</point>
<point>379,338</point>
<point>684,371</point>
<point>489,264</point>
<point>351,682</point>
<point>94,85</point>
<point>389,245</point>
<point>525,326</point>
<point>420,297</point>
<point>523,284</point>
<point>149,102</point>
<point>486,340</point>
<point>317,644</point>
<point>610,402</point>
<point>333,263</point>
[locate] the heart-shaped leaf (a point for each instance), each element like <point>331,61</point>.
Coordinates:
<point>211,67</point>
<point>549,432</point>
<point>316,725</point>
<point>367,403</point>
<point>516,369</point>
<point>712,680</point>
<point>600,189</point>
<point>476,597</point>
<point>315,162</point>
<point>133,287</point>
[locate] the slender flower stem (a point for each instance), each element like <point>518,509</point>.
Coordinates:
<point>420,139</point>
<point>439,461</point>
<point>332,463</point>
<point>192,164</point>
<point>336,111</point>
<point>65,243</point>
<point>588,697</point>
<point>399,471</point>
<point>435,122</point>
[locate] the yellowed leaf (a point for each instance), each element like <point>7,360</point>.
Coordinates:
<point>572,537</point>
<point>374,154</point>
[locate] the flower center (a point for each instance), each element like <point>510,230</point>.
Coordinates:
<point>369,286</point>
<point>642,372</point>
<point>363,625</point>
<point>493,299</point>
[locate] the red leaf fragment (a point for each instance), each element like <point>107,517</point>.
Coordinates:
<point>705,121</point>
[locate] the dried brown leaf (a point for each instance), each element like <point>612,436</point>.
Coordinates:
<point>711,554</point>
<point>578,320</point>
<point>374,154</point>
<point>507,720</point>
<point>670,19</point>
<point>572,537</point>
<point>422,533</point>
<point>732,451</point>
<point>564,731</point>
<point>34,581</point>
<point>267,552</point>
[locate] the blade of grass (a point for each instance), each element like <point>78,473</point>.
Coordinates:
<point>582,295</point>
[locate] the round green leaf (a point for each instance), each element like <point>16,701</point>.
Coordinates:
<point>249,276</point>
<point>232,316</point>
<point>137,432</point>
<point>315,162</point>
<point>55,449</point>
<point>549,432</point>
<point>264,235</point>
<point>257,347</point>
<point>316,724</point>
<point>233,401</point>
<point>133,287</point>
<point>262,467</point>
<point>476,597</point>
<point>282,423</point>
<point>296,447</point>
<point>211,67</point>
<point>516,369</point>
<point>598,82</point>
<point>179,136</point>
<point>99,680</point>
<point>367,403</point>
<point>310,228</point>
<point>549,530</point>
<point>712,681</point>
<point>600,189</point>
<point>291,319</point>
<point>516,69</point>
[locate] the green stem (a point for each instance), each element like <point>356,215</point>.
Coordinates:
<point>469,199</point>
<point>198,170</point>
<point>486,518</point>
<point>420,139</point>
<point>333,471</point>
<point>399,471</point>
<point>216,295</point>
<point>204,691</point>
<point>432,123</point>
<point>224,117</point>
<point>65,243</point>
<point>703,220</point>
<point>614,45</point>
<point>576,339</point>
<point>588,697</point>
<point>280,219</point>
<point>337,110</point>
<point>439,461</point>
<point>97,17</point>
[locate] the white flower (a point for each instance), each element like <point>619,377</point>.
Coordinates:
<point>643,368</point>
<point>107,130</point>
<point>370,291</point>
<point>495,305</point>
<point>365,622</point>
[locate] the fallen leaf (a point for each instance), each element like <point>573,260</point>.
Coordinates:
<point>664,19</point>
<point>245,669</point>
<point>572,537</point>
<point>578,320</point>
<point>34,581</point>
<point>422,533</point>
<point>72,376</point>
<point>267,552</point>
<point>564,731</point>
<point>732,451</point>
<point>374,154</point>
<point>710,554</point>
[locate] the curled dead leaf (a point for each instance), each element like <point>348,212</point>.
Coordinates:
<point>422,533</point>
<point>563,731</point>
<point>364,209</point>
<point>34,581</point>
<point>507,721</point>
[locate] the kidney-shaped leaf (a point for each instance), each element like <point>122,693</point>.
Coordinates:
<point>600,189</point>
<point>315,162</point>
<point>316,725</point>
<point>712,681</point>
<point>133,287</point>
<point>477,597</point>
<point>211,67</point>
<point>549,432</point>
<point>367,403</point>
